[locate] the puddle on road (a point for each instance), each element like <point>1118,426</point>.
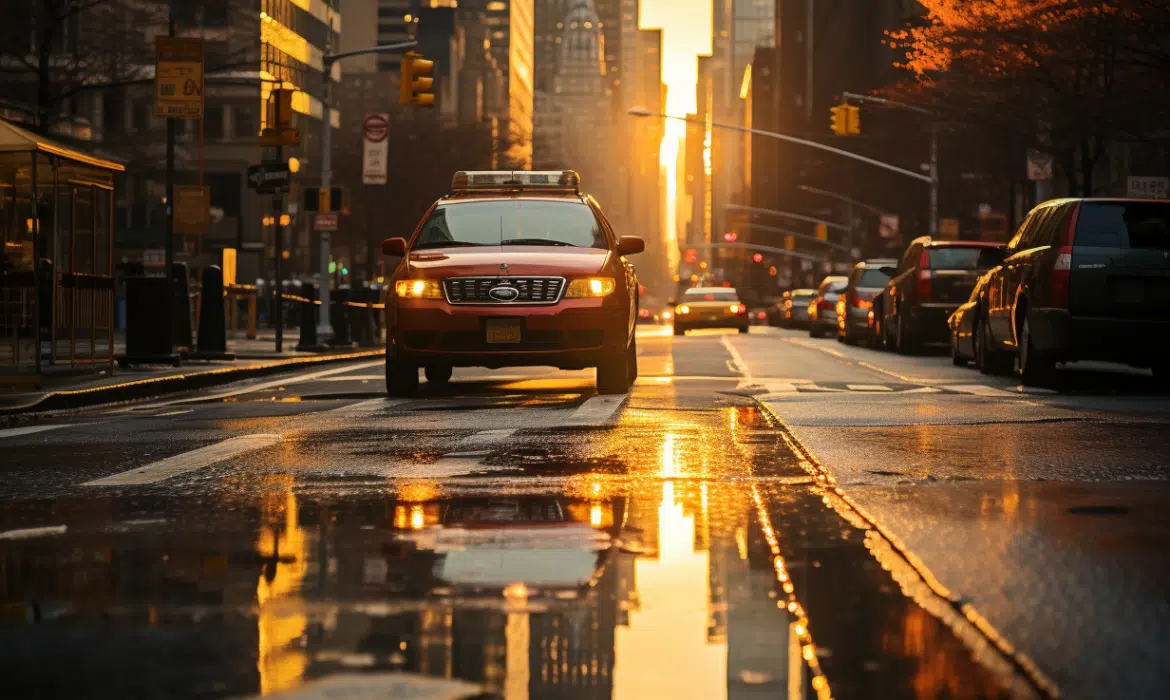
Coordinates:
<point>676,583</point>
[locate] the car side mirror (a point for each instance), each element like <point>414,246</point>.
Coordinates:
<point>394,246</point>
<point>630,245</point>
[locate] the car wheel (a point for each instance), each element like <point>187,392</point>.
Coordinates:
<point>988,358</point>
<point>743,329</point>
<point>904,341</point>
<point>438,374</point>
<point>401,377</point>
<point>956,358</point>
<point>814,332</point>
<point>613,375</point>
<point>1036,368</point>
<point>632,361</point>
<point>678,330</point>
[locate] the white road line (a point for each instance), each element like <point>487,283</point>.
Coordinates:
<point>287,381</point>
<point>356,378</point>
<point>31,532</point>
<point>482,438</point>
<point>868,387</point>
<point>737,360</point>
<point>977,390</point>
<point>596,411</point>
<point>174,413</point>
<point>924,390</point>
<point>30,429</point>
<point>365,408</point>
<point>187,461</point>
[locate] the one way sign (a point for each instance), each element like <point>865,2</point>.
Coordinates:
<point>269,177</point>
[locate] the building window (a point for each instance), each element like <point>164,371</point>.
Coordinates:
<point>213,122</point>
<point>244,123</point>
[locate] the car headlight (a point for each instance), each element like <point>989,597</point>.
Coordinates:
<point>683,310</point>
<point>591,287</point>
<point>418,289</point>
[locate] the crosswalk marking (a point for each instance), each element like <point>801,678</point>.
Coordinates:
<point>365,408</point>
<point>596,411</point>
<point>31,532</point>
<point>924,390</point>
<point>868,387</point>
<point>30,429</point>
<point>187,461</point>
<point>976,390</point>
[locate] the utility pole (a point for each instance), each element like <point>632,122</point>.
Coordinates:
<point>932,223</point>
<point>323,277</point>
<point>169,244</point>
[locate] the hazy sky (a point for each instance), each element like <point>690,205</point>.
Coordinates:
<point>686,28</point>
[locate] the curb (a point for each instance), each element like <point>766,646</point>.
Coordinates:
<point>148,388</point>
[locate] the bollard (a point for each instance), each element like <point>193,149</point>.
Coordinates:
<point>366,318</point>
<point>339,319</point>
<point>182,298</point>
<point>308,341</point>
<point>211,343</point>
<point>379,319</point>
<point>146,336</point>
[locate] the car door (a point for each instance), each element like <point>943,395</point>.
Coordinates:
<point>902,287</point>
<point>1001,290</point>
<point>1026,267</point>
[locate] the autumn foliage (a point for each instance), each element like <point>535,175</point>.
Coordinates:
<point>1073,77</point>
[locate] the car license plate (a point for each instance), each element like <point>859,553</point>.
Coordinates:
<point>503,331</point>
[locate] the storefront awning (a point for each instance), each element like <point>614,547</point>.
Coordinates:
<point>14,139</point>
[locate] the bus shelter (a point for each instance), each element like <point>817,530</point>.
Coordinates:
<point>56,268</point>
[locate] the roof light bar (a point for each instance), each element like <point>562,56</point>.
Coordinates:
<point>548,180</point>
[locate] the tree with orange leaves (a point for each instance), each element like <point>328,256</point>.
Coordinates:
<point>1069,76</point>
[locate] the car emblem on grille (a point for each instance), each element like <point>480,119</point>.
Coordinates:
<point>504,293</point>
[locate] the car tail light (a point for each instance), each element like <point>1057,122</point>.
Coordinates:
<point>761,315</point>
<point>1062,268</point>
<point>924,277</point>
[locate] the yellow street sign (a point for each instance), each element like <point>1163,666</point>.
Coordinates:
<point>192,209</point>
<point>178,77</point>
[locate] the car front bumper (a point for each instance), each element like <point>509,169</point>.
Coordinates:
<point>572,333</point>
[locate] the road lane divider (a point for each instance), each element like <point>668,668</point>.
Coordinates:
<point>596,411</point>
<point>188,461</point>
<point>31,429</point>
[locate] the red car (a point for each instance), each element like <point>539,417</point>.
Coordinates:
<point>512,268</point>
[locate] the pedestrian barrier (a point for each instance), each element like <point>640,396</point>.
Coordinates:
<point>182,312</point>
<point>309,313</point>
<point>365,317</point>
<point>338,318</point>
<point>233,295</point>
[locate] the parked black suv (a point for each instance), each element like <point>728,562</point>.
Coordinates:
<point>932,279</point>
<point>1085,279</point>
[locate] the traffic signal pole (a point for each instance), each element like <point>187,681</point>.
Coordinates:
<point>324,281</point>
<point>932,224</point>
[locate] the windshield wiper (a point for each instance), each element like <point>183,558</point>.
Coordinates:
<point>447,244</point>
<point>535,241</point>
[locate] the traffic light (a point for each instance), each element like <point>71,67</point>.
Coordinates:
<point>324,199</point>
<point>416,86</point>
<point>854,112</point>
<point>731,237</point>
<point>822,232</point>
<point>758,257</point>
<point>839,119</point>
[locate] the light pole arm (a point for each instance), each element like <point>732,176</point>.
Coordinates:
<point>636,112</point>
<point>330,58</point>
<point>883,101</point>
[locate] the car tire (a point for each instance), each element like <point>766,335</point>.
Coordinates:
<point>401,377</point>
<point>814,332</point>
<point>613,375</point>
<point>904,341</point>
<point>438,374</point>
<point>989,359</point>
<point>743,329</point>
<point>680,331</point>
<point>1036,368</point>
<point>956,359</point>
<point>632,361</point>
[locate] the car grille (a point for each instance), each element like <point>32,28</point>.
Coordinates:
<point>532,290</point>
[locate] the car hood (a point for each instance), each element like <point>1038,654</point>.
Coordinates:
<point>520,260</point>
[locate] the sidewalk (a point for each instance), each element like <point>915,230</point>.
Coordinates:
<point>254,358</point>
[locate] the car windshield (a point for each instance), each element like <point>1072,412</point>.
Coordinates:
<point>965,258</point>
<point>872,277</point>
<point>512,222</point>
<point>1124,225</point>
<point>711,295</point>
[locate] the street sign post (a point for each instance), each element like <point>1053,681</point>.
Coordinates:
<point>178,77</point>
<point>1147,187</point>
<point>325,222</point>
<point>269,178</point>
<point>192,209</point>
<point>1039,165</point>
<point>375,156</point>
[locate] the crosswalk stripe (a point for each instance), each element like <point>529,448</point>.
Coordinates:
<point>977,390</point>
<point>596,411</point>
<point>31,532</point>
<point>924,390</point>
<point>868,387</point>
<point>187,461</point>
<point>365,408</point>
<point>30,429</point>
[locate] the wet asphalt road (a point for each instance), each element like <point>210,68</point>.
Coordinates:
<point>763,516</point>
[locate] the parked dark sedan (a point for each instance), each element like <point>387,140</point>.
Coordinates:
<point>796,308</point>
<point>822,310</point>
<point>964,339</point>
<point>1085,279</point>
<point>932,279</point>
<point>855,307</point>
